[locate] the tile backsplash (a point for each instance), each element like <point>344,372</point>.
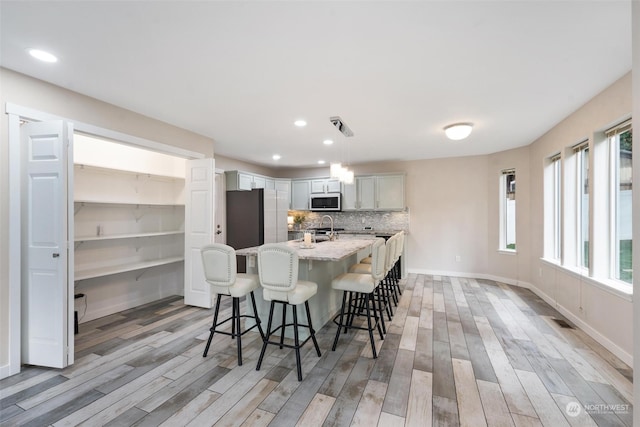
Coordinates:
<point>358,220</point>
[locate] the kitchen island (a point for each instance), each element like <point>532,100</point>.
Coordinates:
<point>320,264</point>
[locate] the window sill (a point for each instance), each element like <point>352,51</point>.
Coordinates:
<point>613,287</point>
<point>507,251</point>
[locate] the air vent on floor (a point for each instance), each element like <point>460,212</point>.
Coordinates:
<point>563,324</point>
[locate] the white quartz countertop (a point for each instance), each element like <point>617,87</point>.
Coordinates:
<point>321,251</point>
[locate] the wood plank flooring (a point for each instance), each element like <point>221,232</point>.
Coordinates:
<point>457,352</point>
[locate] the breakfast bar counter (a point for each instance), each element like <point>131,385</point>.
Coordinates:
<point>335,250</point>
<point>320,264</point>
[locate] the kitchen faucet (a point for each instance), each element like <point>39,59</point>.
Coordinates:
<point>332,235</point>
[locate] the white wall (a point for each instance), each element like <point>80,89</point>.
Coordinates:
<point>605,315</point>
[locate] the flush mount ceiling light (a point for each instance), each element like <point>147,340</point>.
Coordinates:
<point>327,142</point>
<point>321,162</point>
<point>276,157</point>
<point>458,131</point>
<point>300,123</point>
<point>42,55</point>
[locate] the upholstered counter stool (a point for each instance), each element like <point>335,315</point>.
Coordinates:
<point>395,272</point>
<point>359,290</point>
<point>278,274</point>
<point>220,271</point>
<point>388,294</point>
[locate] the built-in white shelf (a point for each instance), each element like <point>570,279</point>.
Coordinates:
<point>126,236</point>
<point>124,203</point>
<point>126,172</point>
<point>123,268</point>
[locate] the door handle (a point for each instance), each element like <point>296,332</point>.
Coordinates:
<point>56,255</point>
<point>218,231</point>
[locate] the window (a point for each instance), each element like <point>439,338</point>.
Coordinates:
<point>508,210</point>
<point>582,152</point>
<point>588,208</point>
<point>620,143</point>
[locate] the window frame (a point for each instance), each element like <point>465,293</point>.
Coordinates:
<point>504,189</point>
<point>554,208</point>
<point>613,140</point>
<point>583,155</point>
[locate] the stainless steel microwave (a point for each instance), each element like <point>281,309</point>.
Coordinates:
<point>326,202</point>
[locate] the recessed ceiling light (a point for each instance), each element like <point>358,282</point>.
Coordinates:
<point>276,157</point>
<point>458,131</point>
<point>300,123</point>
<point>42,55</point>
<point>327,142</point>
<point>321,162</point>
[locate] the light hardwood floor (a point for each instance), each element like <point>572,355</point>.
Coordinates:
<point>458,352</point>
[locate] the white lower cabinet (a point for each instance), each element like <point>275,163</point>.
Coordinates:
<point>129,239</point>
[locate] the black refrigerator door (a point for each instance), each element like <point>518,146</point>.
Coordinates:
<point>245,221</point>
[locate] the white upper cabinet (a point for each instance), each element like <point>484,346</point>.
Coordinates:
<point>326,185</point>
<point>284,185</point>
<point>390,192</point>
<point>376,192</point>
<point>239,180</point>
<point>270,184</point>
<point>300,192</point>
<point>350,196</point>
<point>366,192</point>
<point>360,195</point>
<point>259,182</point>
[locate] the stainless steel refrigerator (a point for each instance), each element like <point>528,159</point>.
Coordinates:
<point>254,218</point>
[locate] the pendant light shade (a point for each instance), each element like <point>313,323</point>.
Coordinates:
<point>335,170</point>
<point>347,177</point>
<point>458,131</point>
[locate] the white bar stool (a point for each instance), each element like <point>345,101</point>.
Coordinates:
<point>363,286</point>
<point>278,274</point>
<point>220,271</point>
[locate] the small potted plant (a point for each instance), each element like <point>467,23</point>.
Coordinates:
<point>298,220</point>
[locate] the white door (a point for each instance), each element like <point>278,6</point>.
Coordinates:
<point>198,229</point>
<point>220,206</point>
<point>47,284</point>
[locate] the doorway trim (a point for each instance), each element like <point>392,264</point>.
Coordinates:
<point>16,113</point>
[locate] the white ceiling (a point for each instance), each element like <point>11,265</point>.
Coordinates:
<point>396,72</point>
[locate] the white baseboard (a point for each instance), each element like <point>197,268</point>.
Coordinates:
<point>606,342</point>
<point>603,340</point>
